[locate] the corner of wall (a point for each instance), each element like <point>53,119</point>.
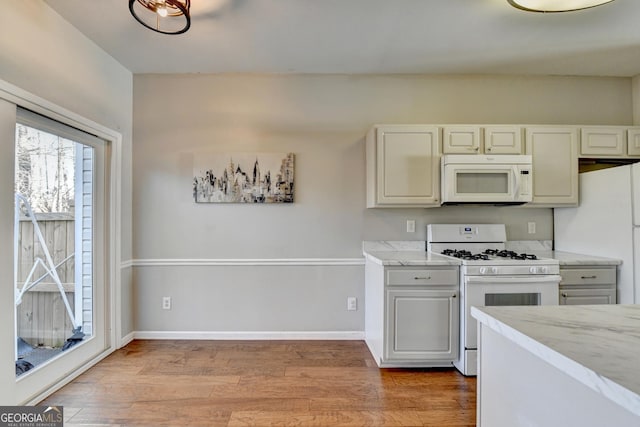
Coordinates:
<point>635,99</point>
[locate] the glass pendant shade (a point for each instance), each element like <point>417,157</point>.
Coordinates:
<point>162,16</point>
<point>556,5</point>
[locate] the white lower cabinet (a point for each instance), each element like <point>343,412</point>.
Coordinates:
<point>412,315</point>
<point>421,325</point>
<point>587,296</point>
<point>587,285</point>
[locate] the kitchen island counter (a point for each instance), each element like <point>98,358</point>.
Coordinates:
<point>574,365</point>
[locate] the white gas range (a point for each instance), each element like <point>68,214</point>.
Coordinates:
<point>490,275</point>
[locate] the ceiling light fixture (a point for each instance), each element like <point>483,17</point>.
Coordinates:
<point>555,5</point>
<point>162,16</point>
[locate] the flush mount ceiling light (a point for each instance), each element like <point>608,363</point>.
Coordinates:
<point>163,16</point>
<point>556,5</point>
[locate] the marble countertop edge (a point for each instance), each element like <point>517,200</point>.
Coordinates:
<point>608,388</point>
<point>543,249</point>
<point>409,258</point>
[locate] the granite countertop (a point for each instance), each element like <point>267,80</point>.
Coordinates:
<point>597,345</point>
<point>408,257</point>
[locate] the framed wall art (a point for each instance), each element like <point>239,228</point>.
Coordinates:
<point>243,178</point>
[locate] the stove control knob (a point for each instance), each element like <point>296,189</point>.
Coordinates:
<point>494,270</point>
<point>533,270</point>
<point>543,270</point>
<point>483,270</point>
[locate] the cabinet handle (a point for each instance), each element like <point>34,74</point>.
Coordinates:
<point>473,148</point>
<point>564,294</point>
<point>454,296</point>
<point>422,278</point>
<point>588,277</point>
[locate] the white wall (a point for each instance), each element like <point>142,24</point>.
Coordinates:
<point>635,82</point>
<point>323,120</point>
<point>45,56</point>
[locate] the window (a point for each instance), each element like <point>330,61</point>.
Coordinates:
<point>58,223</point>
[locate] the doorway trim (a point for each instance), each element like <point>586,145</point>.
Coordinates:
<point>25,99</point>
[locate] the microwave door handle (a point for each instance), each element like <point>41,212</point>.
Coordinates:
<point>516,181</point>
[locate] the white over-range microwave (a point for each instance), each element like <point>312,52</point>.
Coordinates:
<point>482,179</point>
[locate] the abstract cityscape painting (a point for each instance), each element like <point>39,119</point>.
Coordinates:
<point>243,178</point>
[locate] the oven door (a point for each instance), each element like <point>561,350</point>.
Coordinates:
<point>484,291</point>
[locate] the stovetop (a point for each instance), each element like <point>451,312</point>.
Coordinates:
<point>481,249</point>
<point>488,255</point>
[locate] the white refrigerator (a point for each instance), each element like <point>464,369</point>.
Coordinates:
<point>606,223</point>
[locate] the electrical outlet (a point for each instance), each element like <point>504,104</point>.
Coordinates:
<point>352,303</point>
<point>531,227</point>
<point>411,226</point>
<point>166,303</point>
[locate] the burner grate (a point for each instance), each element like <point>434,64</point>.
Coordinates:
<point>510,254</point>
<point>487,254</point>
<point>466,255</point>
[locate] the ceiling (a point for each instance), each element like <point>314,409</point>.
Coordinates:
<point>369,37</point>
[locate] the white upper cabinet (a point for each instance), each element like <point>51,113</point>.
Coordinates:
<point>633,142</point>
<point>403,166</point>
<point>461,139</point>
<point>554,151</point>
<point>602,141</point>
<point>470,139</point>
<point>503,139</point>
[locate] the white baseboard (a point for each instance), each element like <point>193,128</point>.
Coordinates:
<point>248,335</point>
<point>127,339</point>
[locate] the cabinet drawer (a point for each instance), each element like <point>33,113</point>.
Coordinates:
<point>588,276</point>
<point>422,277</point>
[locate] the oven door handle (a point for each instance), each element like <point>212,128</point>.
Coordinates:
<point>516,280</point>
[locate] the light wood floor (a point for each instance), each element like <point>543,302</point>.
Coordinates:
<point>262,383</point>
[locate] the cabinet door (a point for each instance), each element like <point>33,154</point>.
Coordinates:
<point>554,152</point>
<point>587,296</point>
<point>422,325</point>
<point>407,165</point>
<point>607,141</point>
<point>633,142</point>
<point>460,139</point>
<point>503,140</point>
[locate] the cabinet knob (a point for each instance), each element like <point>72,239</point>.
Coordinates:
<point>564,294</point>
<point>488,148</point>
<point>454,296</point>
